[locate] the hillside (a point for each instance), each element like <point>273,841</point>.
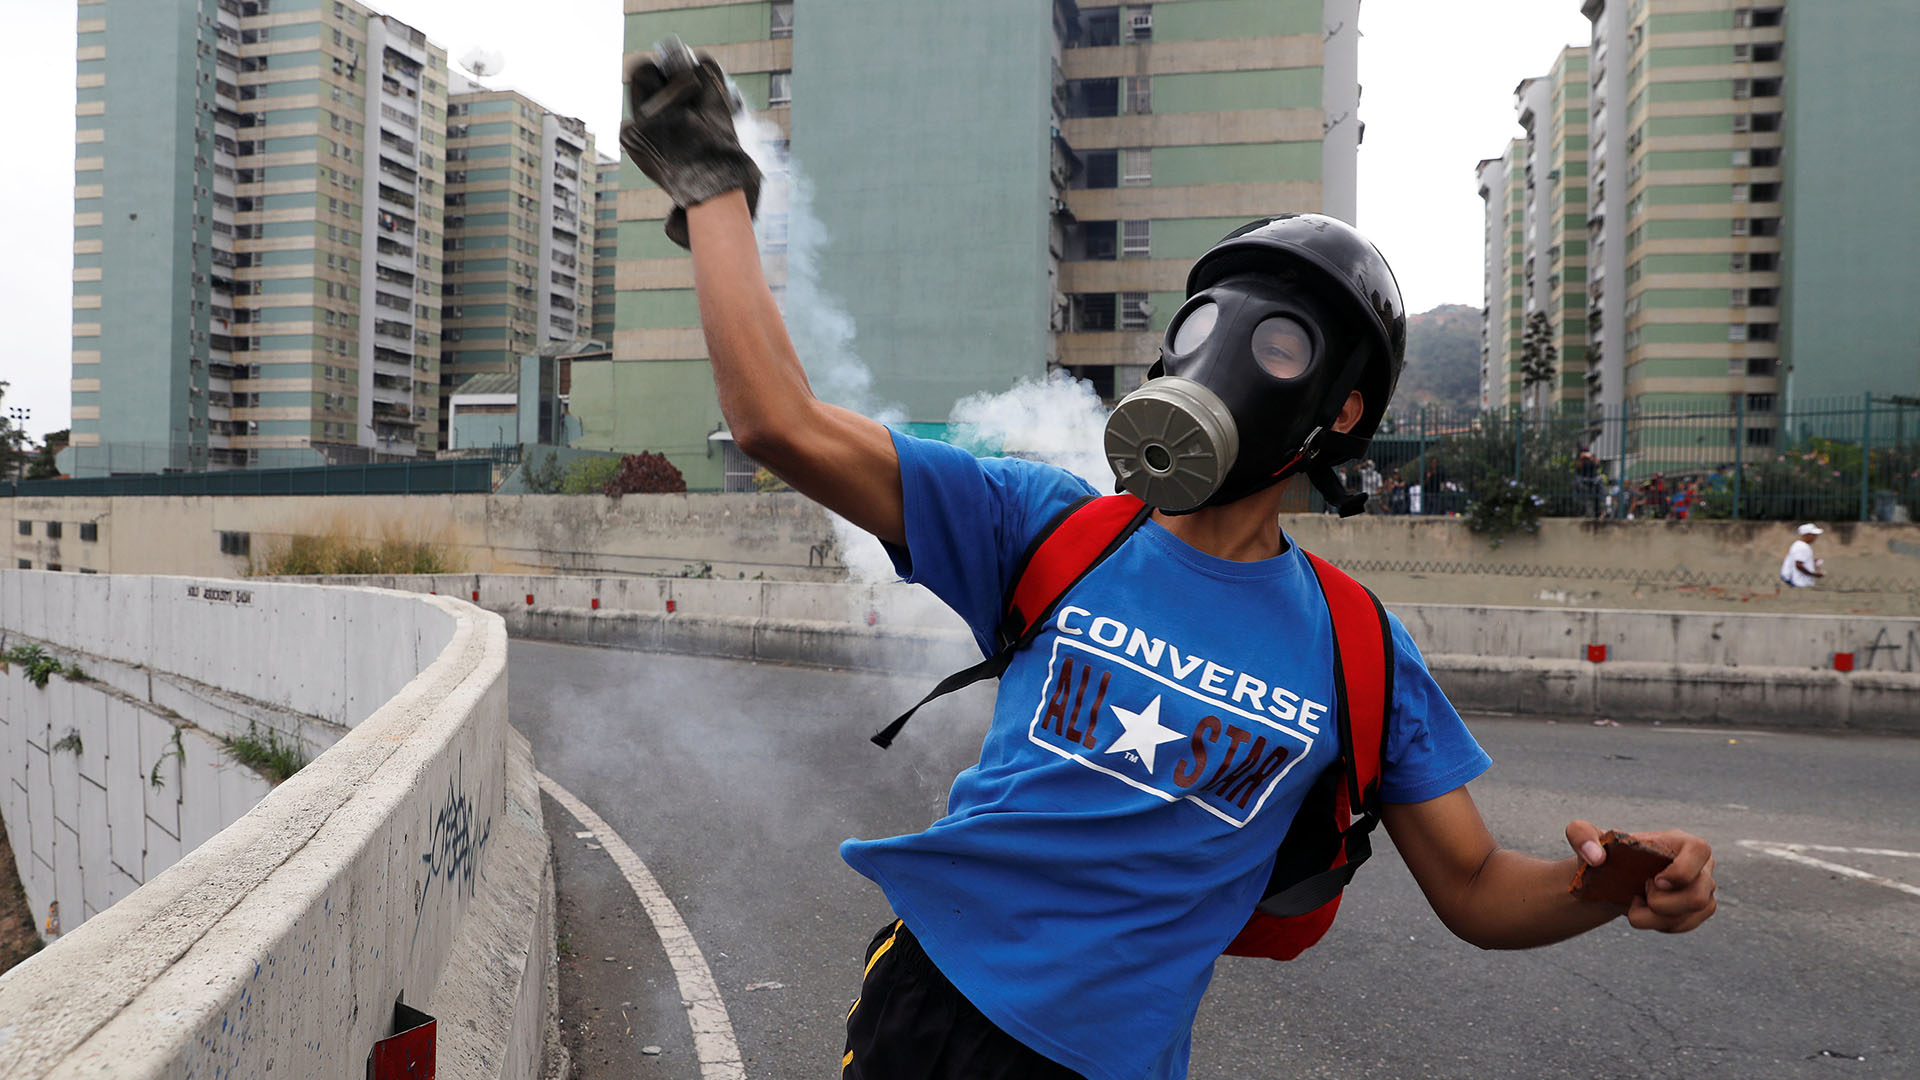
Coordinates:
<point>1443,360</point>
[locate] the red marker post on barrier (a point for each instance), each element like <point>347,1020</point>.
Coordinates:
<point>1597,654</point>
<point>596,603</point>
<point>670,607</point>
<point>1843,661</point>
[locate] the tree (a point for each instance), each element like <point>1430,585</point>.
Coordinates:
<point>1539,359</point>
<point>43,466</point>
<point>11,436</point>
<point>1443,361</point>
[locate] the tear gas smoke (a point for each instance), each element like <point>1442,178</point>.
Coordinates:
<point>1056,419</point>
<point>1059,420</point>
<point>821,329</point>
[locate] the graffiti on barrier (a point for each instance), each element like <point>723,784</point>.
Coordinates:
<point>221,594</point>
<point>1889,652</point>
<point>455,839</point>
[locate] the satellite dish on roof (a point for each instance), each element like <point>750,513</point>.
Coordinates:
<point>483,62</point>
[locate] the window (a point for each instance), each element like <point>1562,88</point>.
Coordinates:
<point>26,528</point>
<point>1139,23</point>
<point>1093,312</point>
<point>90,531</point>
<point>1095,240</point>
<point>1093,97</point>
<point>1136,312</point>
<point>1742,53</point>
<point>1136,166</point>
<point>780,88</point>
<point>1099,169</point>
<point>1759,436</point>
<point>1760,402</point>
<point>1741,227</point>
<point>1737,297</point>
<point>54,567</point>
<point>782,22</point>
<point>23,564</point>
<point>53,530</point>
<point>1139,94</point>
<point>1737,332</point>
<point>1742,89</point>
<point>1742,122</point>
<point>1136,237</point>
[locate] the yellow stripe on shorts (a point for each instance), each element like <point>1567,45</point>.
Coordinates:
<point>882,950</point>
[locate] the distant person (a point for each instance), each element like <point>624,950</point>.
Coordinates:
<point>1801,569</point>
<point>1586,483</point>
<point>1064,917</point>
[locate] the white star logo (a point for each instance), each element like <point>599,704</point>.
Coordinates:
<point>1144,732</point>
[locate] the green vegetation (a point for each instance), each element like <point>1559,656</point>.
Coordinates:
<point>336,551</point>
<point>71,741</point>
<point>40,666</point>
<point>1443,360</point>
<point>266,753</point>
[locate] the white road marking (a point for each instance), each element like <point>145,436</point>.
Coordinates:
<point>1797,853</point>
<point>713,1042</point>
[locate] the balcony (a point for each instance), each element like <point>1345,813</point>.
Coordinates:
<point>396,330</point>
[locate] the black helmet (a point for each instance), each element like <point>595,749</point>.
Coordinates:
<point>1348,270</point>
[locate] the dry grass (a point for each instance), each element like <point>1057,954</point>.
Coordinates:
<point>339,546</point>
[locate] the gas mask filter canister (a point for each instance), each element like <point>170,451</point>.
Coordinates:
<point>1236,400</point>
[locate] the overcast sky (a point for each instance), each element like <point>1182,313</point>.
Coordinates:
<point>1439,78</point>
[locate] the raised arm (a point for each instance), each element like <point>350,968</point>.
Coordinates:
<point>1501,899</point>
<point>682,136</point>
<point>835,456</point>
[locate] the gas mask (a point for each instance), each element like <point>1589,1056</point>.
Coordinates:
<point>1252,373</point>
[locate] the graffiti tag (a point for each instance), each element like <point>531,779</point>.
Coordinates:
<point>221,594</point>
<point>1901,656</point>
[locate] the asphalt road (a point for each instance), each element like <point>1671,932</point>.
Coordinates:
<point>734,782</point>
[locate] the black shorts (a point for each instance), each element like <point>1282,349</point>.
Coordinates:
<point>910,1023</point>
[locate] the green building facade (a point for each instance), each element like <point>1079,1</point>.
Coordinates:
<point>996,190</point>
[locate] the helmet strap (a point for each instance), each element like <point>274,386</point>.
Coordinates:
<point>1327,482</point>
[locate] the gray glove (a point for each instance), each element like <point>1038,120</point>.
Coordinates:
<point>681,134</point>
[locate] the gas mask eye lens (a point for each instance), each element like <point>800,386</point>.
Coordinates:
<point>1195,328</point>
<point>1283,348</point>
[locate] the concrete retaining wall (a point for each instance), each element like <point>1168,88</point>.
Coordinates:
<point>1670,565</point>
<point>1696,666</point>
<point>407,862</point>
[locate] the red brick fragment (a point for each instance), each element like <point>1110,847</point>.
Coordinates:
<point>1630,865</point>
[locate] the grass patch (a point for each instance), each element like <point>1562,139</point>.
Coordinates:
<point>343,544</point>
<point>266,752</point>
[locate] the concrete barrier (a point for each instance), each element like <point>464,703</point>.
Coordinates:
<point>406,863</point>
<point>1672,665</point>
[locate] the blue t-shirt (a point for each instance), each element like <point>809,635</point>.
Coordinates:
<point>1147,754</point>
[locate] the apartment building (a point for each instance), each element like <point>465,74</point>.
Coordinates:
<point>1004,187</point>
<point>520,205</point>
<point>606,245</point>
<point>256,235</point>
<point>1746,199</point>
<point>1504,258</point>
<point>1536,244</point>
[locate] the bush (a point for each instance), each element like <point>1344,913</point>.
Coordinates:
<point>1504,510</point>
<point>646,474</point>
<point>589,476</point>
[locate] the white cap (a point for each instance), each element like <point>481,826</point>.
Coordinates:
<point>1810,529</point>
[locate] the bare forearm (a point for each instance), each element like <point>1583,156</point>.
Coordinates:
<point>1518,901</point>
<point>761,383</point>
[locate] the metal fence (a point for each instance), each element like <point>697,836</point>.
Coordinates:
<point>407,478</point>
<point>1746,458</point>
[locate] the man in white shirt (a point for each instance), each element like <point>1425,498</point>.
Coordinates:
<point>1801,569</point>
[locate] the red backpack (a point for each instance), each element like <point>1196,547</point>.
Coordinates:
<point>1327,841</point>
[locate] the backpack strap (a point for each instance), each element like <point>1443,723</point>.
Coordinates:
<point>1363,692</point>
<point>1079,538</point>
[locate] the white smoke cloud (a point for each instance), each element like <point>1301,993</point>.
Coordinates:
<point>1057,419</point>
<point>823,332</point>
